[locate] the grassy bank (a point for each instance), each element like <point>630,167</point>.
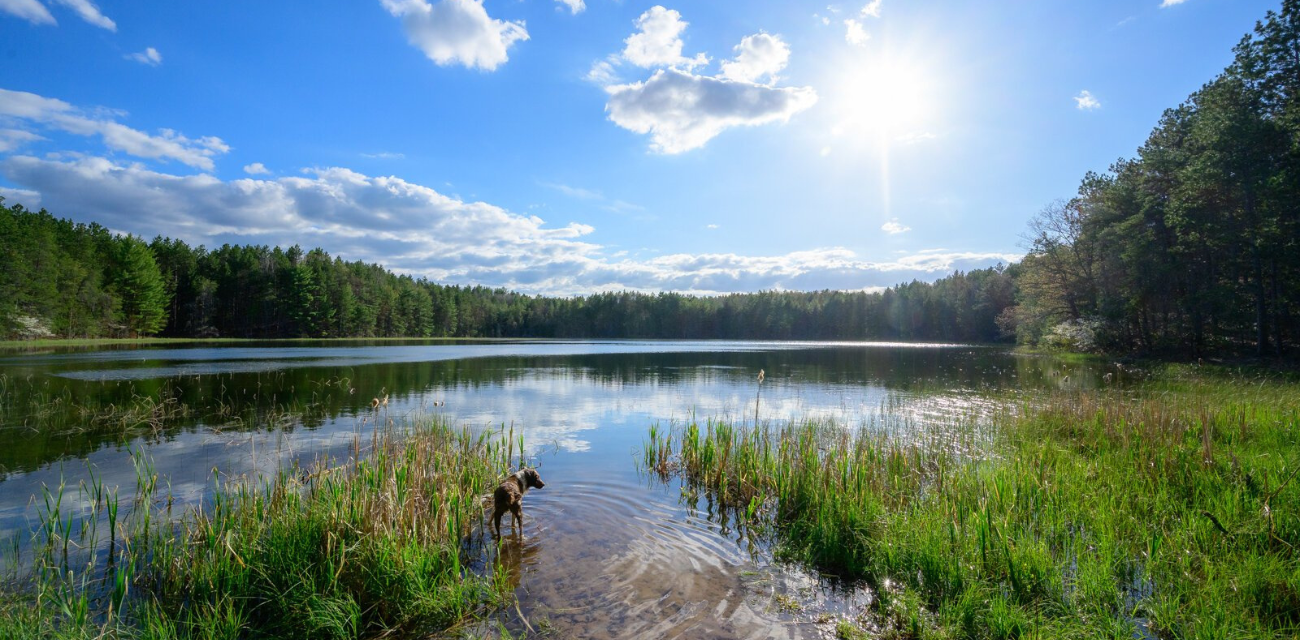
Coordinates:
<point>360,549</point>
<point>1171,511</point>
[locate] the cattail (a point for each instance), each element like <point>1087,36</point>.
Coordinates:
<point>761,375</point>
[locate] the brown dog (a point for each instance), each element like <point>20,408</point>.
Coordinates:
<point>509,496</point>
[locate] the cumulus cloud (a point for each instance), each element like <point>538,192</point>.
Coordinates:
<point>29,10</point>
<point>855,33</point>
<point>1169,3</point>
<point>33,110</point>
<point>658,41</point>
<point>149,56</point>
<point>872,8</point>
<point>757,56</point>
<point>681,110</point>
<point>575,6</point>
<point>894,228</point>
<point>417,230</point>
<point>457,31</point>
<point>1086,102</point>
<point>255,169</point>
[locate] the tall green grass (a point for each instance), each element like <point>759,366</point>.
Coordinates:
<point>360,549</point>
<point>1171,511</point>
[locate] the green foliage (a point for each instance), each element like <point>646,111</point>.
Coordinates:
<point>140,286</point>
<point>1193,246</point>
<point>1172,510</point>
<point>367,548</point>
<point>262,292</point>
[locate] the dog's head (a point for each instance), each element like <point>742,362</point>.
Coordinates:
<point>531,479</point>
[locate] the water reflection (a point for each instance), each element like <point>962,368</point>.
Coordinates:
<point>603,554</point>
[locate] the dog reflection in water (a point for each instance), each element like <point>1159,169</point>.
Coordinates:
<point>509,496</point>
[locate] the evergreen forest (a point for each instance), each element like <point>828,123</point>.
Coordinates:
<point>1189,248</point>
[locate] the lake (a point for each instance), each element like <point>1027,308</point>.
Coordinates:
<point>607,551</point>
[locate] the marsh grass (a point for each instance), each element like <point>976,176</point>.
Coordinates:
<point>366,547</point>
<point>1170,510</point>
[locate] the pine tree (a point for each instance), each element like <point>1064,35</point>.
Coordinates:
<point>140,287</point>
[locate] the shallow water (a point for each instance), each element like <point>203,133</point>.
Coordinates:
<point>606,552</point>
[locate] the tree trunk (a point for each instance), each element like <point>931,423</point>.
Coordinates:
<point>1261,330</point>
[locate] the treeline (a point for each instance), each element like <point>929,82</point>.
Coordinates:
<point>1193,246</point>
<point>64,279</point>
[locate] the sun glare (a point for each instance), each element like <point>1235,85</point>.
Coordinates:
<point>885,99</point>
<point>878,102</point>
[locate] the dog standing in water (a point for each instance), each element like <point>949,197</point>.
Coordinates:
<point>509,496</point>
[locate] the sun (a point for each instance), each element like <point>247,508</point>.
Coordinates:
<point>883,99</point>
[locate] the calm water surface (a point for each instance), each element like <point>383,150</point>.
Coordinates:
<point>606,551</point>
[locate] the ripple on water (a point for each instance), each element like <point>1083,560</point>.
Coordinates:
<point>609,557</point>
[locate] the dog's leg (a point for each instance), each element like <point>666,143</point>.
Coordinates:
<point>517,518</point>
<point>496,517</point>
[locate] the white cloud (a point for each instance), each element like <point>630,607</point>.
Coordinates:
<point>384,155</point>
<point>404,224</point>
<point>256,168</point>
<point>710,226</point>
<point>826,151</point>
<point>36,13</point>
<point>873,8</point>
<point>894,228</point>
<point>457,31</point>
<point>29,199</point>
<point>602,73</point>
<point>658,42</point>
<point>682,111</point>
<point>415,229</point>
<point>757,56</point>
<point>29,10</point>
<point>149,56</point>
<point>89,12</point>
<point>11,139</point>
<point>855,33</point>
<point>575,6</point>
<point>32,109</point>
<point>1169,3</point>
<point>1086,102</point>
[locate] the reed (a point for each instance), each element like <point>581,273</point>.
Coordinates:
<point>359,548</point>
<point>1171,511</point>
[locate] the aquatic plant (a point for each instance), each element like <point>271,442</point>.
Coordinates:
<point>344,549</point>
<point>1169,511</point>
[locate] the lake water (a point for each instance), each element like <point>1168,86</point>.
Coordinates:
<point>607,552</point>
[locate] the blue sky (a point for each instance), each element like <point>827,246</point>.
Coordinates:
<point>570,146</point>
